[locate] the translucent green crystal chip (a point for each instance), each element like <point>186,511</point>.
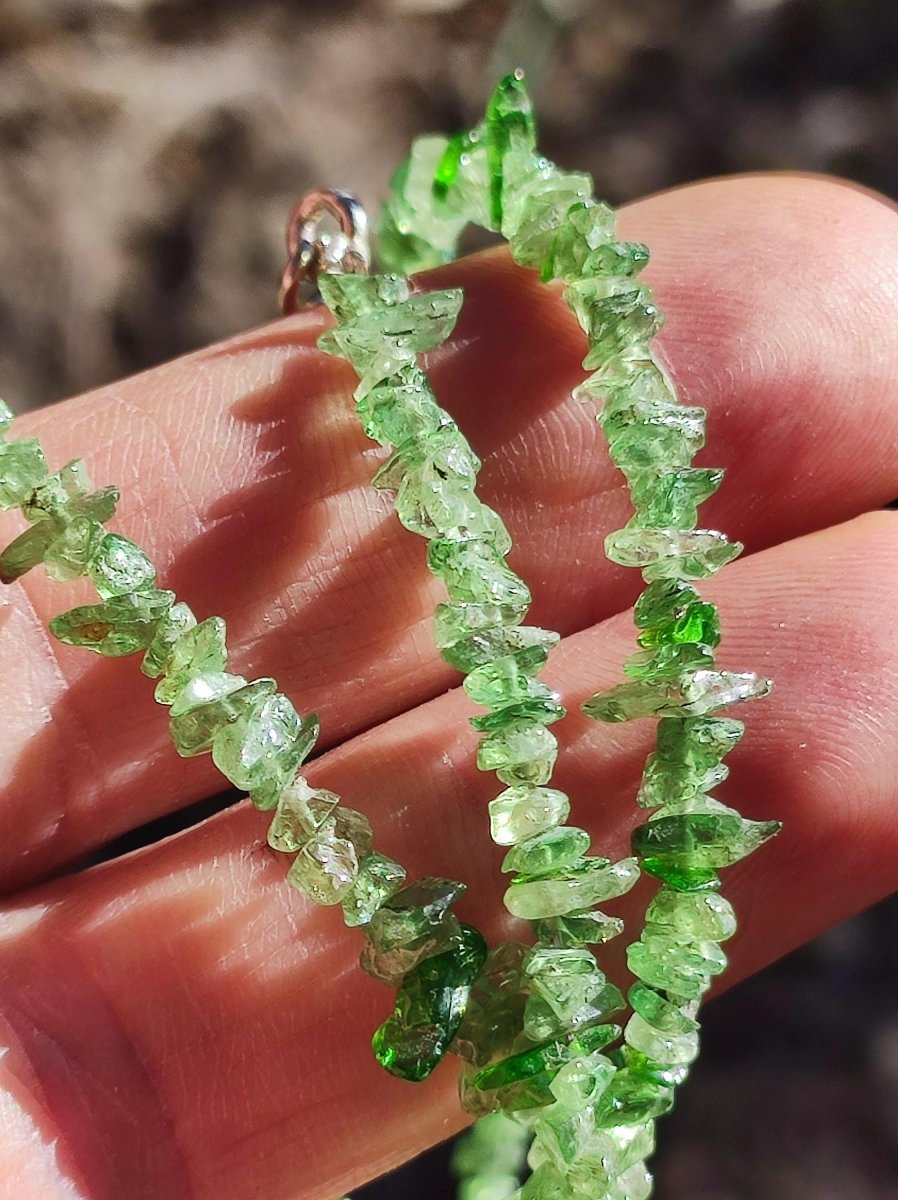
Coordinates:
<point>379,878</point>
<point>548,1056</point>
<point>582,1080</point>
<point>592,883</point>
<point>520,753</point>
<point>541,709</point>
<point>670,611</point>
<point>677,965</point>
<point>177,620</point>
<point>586,232</point>
<point>119,566</point>
<point>701,840</point>
<point>672,1049</point>
<point>208,702</point>
<point>53,497</point>
<point>670,500</point>
<point>400,408</point>
<point>669,662</point>
<point>456,622</point>
<point>682,879</point>
<point>702,915</point>
<point>449,508</point>
<point>421,322</point>
<point>568,990</point>
<point>349,296</point>
<point>301,812</point>
<point>99,506</point>
<point>450,162</point>
<point>632,1100</point>
<point>546,1183</point>
<point>538,206</point>
<point>510,124</point>
<point>521,1096</point>
<point>494,1017</point>
<point>522,812</point>
<point>26,551</point>
<point>328,865</point>
<point>660,1012</point>
<point>198,650</point>
<point>671,553</point>
<point>508,678</point>
<point>635,391</point>
<point>404,251</point>
<point>547,853</point>
<point>528,645</point>
<point>391,963</point>
<point>429,1008</point>
<point>695,693</point>
<point>616,315</point>
<point>117,627</point>
<point>416,230</point>
<point>578,928</point>
<point>697,742</point>
<point>22,468</point>
<point>414,911</point>
<point>431,460</point>
<point>262,748</point>
<point>70,553</point>
<point>475,573</point>
<point>489,1159</point>
<point>687,759</point>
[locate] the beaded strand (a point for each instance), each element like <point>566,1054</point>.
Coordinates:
<point>594,1139</point>
<point>255,736</point>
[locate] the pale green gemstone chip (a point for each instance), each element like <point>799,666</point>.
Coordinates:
<point>120,566</point>
<point>703,915</point>
<point>522,812</point>
<point>300,813</point>
<point>22,468</point>
<point>379,878</point>
<point>325,870</point>
<point>547,853</point>
<point>176,621</point>
<point>72,551</point>
<point>578,928</point>
<point>597,880</point>
<point>520,754</point>
<point>695,693</point>
<point>260,751</point>
<point>207,703</point>
<point>198,649</point>
<point>119,626</point>
<point>582,1080</point>
<point>660,1013</point>
<point>26,551</point>
<point>675,1049</point>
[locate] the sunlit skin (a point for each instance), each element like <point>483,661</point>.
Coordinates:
<point>180,1024</point>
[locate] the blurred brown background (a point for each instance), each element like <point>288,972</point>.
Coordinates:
<point>149,152</point>
<point>149,149</point>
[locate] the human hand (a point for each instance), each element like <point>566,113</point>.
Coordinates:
<point>179,1023</point>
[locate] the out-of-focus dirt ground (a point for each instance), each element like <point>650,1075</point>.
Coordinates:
<point>149,152</point>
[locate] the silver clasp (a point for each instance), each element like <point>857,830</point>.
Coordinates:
<point>312,249</point>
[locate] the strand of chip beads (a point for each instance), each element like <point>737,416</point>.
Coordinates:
<point>256,738</point>
<point>593,1113</point>
<point>556,991</point>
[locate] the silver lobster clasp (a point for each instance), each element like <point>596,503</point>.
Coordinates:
<point>313,249</point>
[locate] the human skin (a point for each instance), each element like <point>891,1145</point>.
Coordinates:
<point>178,1023</point>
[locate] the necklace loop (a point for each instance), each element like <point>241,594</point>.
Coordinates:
<point>312,249</point>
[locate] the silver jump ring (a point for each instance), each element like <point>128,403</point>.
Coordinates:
<point>312,250</point>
